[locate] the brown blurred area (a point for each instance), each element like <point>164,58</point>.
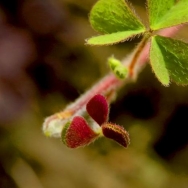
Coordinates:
<point>44,65</point>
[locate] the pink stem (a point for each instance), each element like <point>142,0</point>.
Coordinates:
<point>106,86</point>
<point>109,84</point>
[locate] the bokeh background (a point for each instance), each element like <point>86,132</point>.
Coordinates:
<point>44,65</point>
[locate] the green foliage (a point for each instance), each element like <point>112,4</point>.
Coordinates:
<point>118,69</point>
<point>157,63</point>
<point>109,39</point>
<point>169,58</point>
<point>114,19</point>
<point>163,14</point>
<point>157,9</point>
<point>117,22</point>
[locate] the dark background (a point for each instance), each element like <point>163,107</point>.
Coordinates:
<point>44,65</point>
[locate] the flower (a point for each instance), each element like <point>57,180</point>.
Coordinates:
<point>78,132</point>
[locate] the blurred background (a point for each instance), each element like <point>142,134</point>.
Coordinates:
<point>44,65</point>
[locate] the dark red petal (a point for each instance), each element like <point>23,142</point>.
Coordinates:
<point>117,133</point>
<point>78,133</point>
<point>98,108</point>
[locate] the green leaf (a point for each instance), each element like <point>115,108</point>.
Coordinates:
<point>157,9</point>
<point>109,39</point>
<point>178,14</point>
<point>158,63</point>
<point>169,57</point>
<point>110,16</point>
<point>114,17</point>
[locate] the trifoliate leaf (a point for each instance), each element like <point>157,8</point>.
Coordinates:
<point>157,9</point>
<point>115,19</point>
<point>169,57</point>
<point>178,14</point>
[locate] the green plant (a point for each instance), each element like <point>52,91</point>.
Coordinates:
<point>118,23</point>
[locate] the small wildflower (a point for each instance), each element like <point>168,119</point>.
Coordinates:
<point>86,125</point>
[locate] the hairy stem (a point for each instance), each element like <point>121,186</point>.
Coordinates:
<point>108,86</point>
<point>110,83</point>
<point>137,53</point>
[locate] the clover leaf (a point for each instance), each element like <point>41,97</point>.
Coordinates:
<point>169,59</point>
<point>115,20</point>
<point>167,13</point>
